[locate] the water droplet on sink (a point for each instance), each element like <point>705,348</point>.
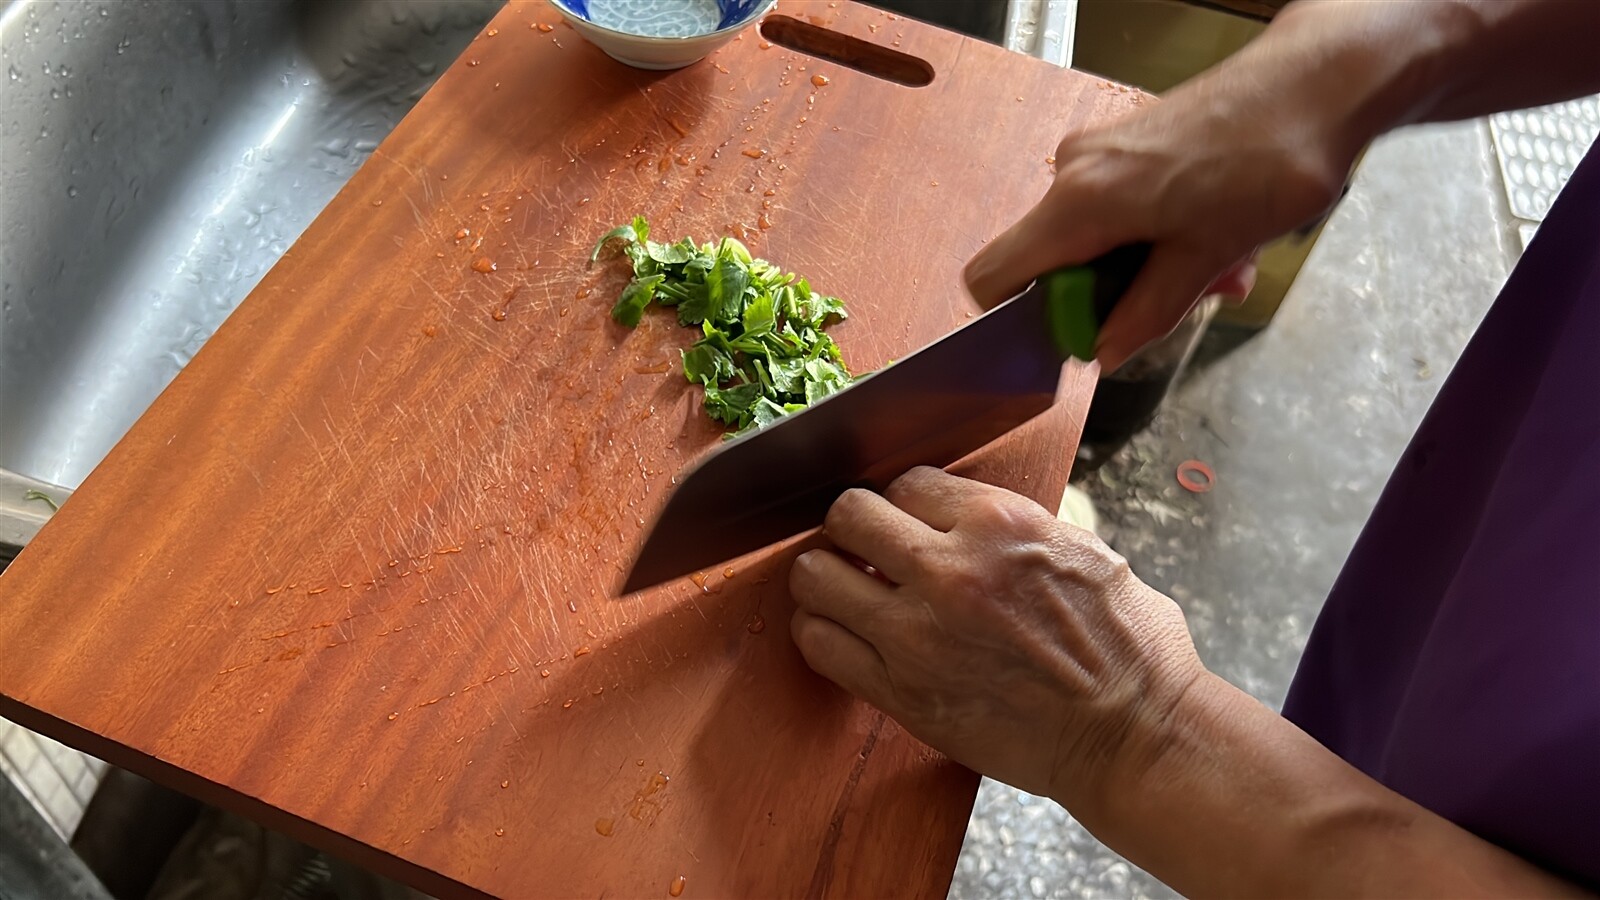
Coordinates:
<point>72,191</point>
<point>15,75</point>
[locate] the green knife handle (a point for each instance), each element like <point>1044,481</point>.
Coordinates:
<point>1079,299</point>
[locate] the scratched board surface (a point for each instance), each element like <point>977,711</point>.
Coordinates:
<point>354,573</point>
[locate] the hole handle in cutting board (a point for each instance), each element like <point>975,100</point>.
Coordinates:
<point>850,52</point>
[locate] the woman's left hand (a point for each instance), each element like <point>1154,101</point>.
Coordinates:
<point>1018,645</point>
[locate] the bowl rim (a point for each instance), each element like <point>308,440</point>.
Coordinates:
<point>659,39</point>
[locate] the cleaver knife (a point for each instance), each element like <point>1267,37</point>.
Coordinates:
<point>930,408</point>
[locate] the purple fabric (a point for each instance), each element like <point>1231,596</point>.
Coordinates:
<point>1457,659</point>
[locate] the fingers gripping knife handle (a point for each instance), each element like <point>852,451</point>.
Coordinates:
<point>1080,298</point>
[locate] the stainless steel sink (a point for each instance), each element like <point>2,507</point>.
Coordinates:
<point>156,158</point>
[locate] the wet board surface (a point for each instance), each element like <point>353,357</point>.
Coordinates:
<point>354,573</point>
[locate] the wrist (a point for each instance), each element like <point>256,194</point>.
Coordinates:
<point>1161,737</point>
<point>1146,721</point>
<point>1362,69</point>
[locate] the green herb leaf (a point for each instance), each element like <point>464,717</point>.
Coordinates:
<point>672,254</point>
<point>725,286</point>
<point>707,364</point>
<point>633,233</point>
<point>762,353</point>
<point>635,297</point>
<point>824,378</point>
<point>788,375</point>
<point>732,406</point>
<point>696,306</point>
<point>759,316</point>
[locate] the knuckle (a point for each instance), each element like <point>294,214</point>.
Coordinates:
<point>804,577</point>
<point>847,509</point>
<point>913,482</point>
<point>1000,514</point>
<point>1084,555</point>
<point>927,557</point>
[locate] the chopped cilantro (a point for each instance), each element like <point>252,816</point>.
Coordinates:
<point>762,353</point>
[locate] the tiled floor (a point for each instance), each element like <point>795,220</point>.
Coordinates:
<point>56,779</point>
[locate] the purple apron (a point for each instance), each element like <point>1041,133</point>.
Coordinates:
<point>1457,659</point>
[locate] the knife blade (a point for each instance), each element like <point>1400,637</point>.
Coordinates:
<point>931,408</point>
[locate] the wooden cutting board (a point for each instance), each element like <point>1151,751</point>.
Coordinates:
<point>354,573</point>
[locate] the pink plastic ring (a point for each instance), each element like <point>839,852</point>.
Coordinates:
<point>1188,469</point>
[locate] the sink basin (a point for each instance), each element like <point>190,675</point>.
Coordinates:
<point>159,157</point>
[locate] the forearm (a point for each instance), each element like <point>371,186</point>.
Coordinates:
<point>1236,801</point>
<point>1345,71</point>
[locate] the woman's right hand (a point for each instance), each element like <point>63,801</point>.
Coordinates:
<point>1228,162</point>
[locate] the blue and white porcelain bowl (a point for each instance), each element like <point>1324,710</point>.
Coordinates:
<point>660,34</point>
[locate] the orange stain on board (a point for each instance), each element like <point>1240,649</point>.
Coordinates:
<point>484,265</point>
<point>658,369</point>
<point>581,651</point>
<point>753,153</point>
<point>604,827</point>
<point>676,887</point>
